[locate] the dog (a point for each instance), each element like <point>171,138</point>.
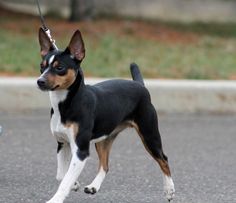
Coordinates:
<point>81,113</point>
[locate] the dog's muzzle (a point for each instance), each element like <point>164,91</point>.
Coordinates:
<point>42,83</point>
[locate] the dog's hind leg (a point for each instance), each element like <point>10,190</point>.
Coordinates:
<point>146,124</point>
<point>103,149</point>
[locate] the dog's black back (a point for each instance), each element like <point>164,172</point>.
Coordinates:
<point>105,105</point>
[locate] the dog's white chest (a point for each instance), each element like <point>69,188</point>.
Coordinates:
<point>57,128</point>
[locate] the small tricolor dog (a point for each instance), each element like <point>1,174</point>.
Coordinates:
<point>81,113</point>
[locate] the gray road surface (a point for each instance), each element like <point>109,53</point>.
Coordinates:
<point>201,151</point>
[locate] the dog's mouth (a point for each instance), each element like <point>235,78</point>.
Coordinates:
<point>54,88</point>
<point>48,88</point>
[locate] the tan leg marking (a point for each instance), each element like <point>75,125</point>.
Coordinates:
<point>103,149</point>
<point>162,163</point>
<point>74,126</point>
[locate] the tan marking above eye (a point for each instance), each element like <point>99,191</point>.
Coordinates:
<point>55,64</point>
<point>44,63</point>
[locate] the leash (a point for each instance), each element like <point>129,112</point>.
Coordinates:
<point>46,30</point>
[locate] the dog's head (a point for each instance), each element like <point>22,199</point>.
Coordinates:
<point>59,68</point>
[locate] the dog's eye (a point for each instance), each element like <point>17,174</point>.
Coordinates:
<point>59,68</point>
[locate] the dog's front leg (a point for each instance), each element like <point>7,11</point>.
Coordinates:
<point>80,154</point>
<point>63,162</point>
<point>75,168</point>
<point>63,159</point>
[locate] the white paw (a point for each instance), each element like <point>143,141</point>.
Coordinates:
<point>76,186</point>
<point>60,175</point>
<point>169,188</point>
<point>56,199</point>
<point>90,189</point>
<point>169,193</point>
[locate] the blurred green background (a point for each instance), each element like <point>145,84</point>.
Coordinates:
<point>162,49</point>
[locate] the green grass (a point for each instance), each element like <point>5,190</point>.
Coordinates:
<point>18,54</point>
<point>212,57</point>
<point>213,29</point>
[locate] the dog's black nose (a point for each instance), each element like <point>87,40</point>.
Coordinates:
<point>41,82</point>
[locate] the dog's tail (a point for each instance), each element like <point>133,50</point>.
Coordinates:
<point>136,74</point>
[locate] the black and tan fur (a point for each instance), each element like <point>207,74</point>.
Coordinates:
<point>101,110</point>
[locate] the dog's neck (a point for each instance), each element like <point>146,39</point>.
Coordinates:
<point>56,97</point>
<point>65,96</point>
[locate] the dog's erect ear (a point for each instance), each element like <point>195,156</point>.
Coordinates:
<point>45,43</point>
<point>76,46</point>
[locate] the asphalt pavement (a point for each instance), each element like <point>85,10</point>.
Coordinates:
<point>201,150</point>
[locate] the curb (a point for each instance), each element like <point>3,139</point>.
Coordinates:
<point>187,96</point>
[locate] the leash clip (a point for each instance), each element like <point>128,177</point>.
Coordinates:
<point>53,41</point>
<point>46,30</point>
